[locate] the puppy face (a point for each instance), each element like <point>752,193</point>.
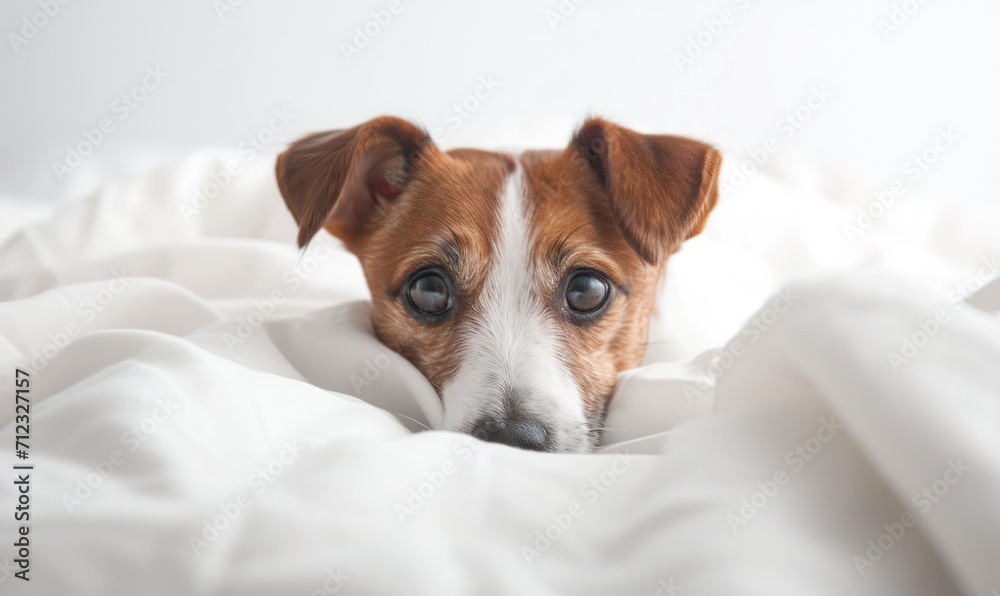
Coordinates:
<point>520,286</point>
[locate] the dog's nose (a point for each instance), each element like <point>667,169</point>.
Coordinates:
<point>526,434</point>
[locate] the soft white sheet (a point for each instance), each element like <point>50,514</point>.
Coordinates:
<point>215,371</point>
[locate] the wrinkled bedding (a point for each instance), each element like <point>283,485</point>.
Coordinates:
<point>211,414</point>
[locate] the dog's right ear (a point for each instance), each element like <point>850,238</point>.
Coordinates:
<point>344,180</point>
<point>659,188</point>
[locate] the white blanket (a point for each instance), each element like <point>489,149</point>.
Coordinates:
<point>210,414</point>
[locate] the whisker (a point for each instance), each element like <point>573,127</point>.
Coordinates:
<point>597,431</point>
<point>617,430</point>
<point>408,418</point>
<point>666,341</point>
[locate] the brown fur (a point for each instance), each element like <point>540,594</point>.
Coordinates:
<point>613,200</point>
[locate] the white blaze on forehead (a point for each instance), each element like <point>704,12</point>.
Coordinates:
<point>509,343</point>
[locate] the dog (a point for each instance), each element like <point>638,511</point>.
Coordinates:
<point>519,285</point>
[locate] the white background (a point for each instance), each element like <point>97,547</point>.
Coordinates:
<point>617,59</point>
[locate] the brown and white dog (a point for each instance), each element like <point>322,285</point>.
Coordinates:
<point>519,285</point>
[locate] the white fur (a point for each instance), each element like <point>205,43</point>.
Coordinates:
<point>511,341</point>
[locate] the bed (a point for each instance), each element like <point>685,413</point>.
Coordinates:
<point>818,412</point>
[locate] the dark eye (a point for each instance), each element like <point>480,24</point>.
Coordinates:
<point>428,293</point>
<point>586,293</point>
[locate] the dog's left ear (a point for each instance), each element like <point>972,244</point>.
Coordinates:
<point>345,180</point>
<point>660,188</point>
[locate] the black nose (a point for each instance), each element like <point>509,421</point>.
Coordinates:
<point>526,434</point>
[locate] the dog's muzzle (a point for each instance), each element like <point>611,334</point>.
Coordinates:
<point>526,434</point>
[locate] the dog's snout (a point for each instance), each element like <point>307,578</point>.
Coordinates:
<point>526,434</point>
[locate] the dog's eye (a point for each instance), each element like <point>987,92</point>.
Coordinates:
<point>586,293</point>
<point>428,293</point>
